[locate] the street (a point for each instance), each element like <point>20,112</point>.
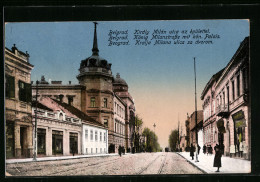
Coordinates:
<point>129,164</point>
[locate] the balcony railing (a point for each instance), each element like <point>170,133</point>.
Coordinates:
<point>223,110</point>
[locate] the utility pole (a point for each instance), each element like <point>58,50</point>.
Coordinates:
<point>178,133</point>
<point>35,126</point>
<point>154,132</point>
<point>196,113</point>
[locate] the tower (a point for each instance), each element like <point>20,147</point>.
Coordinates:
<point>96,75</point>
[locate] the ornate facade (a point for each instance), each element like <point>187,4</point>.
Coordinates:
<point>18,112</point>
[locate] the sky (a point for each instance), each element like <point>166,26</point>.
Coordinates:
<point>160,77</point>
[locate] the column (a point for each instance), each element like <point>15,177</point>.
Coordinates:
<point>48,142</point>
<point>17,140</point>
<point>29,141</point>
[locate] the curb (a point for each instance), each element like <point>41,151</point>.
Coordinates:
<point>56,159</point>
<point>193,164</point>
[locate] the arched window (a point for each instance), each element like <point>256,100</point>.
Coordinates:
<point>61,116</point>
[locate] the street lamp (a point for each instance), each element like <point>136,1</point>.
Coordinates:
<point>196,113</point>
<point>35,126</point>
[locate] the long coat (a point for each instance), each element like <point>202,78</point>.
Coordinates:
<point>191,151</point>
<point>217,159</point>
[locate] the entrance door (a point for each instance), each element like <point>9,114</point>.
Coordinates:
<point>57,142</point>
<point>41,142</point>
<point>74,143</point>
<point>23,141</point>
<point>9,133</point>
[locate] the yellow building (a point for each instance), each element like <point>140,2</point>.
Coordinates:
<point>18,110</point>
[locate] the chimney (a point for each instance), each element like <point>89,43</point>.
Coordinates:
<point>69,82</point>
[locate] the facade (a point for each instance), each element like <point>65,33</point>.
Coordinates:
<point>58,130</point>
<point>120,87</point>
<point>233,104</point>
<point>18,117</point>
<point>183,143</point>
<point>208,96</point>
<point>95,96</point>
<point>199,128</point>
<point>119,122</point>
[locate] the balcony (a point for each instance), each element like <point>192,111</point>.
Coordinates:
<point>223,111</point>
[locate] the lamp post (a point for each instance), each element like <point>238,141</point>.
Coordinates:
<point>196,133</point>
<point>35,126</point>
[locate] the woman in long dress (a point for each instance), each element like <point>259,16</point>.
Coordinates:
<point>217,158</point>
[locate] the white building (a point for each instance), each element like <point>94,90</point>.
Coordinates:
<point>94,139</point>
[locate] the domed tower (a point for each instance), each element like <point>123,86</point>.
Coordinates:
<point>96,75</point>
<point>120,87</point>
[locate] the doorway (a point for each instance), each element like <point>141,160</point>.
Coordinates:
<point>23,143</point>
<point>74,143</point>
<point>9,136</point>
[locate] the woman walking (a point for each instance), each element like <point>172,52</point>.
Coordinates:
<point>192,151</point>
<point>217,159</point>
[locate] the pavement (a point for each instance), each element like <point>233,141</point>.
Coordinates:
<point>229,165</point>
<point>40,159</point>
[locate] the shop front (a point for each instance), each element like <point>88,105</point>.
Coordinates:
<point>239,133</point>
<point>73,143</point>
<point>41,141</point>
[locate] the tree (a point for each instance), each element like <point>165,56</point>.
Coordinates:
<point>151,144</point>
<point>173,139</point>
<point>138,123</point>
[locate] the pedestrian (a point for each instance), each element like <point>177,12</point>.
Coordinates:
<point>198,149</point>
<point>217,158</point>
<point>120,150</point>
<point>204,149</point>
<point>192,151</point>
<point>210,150</point>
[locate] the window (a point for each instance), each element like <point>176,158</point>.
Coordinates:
<point>25,91</point>
<point>91,150</point>
<point>224,98</point>
<point>86,134</point>
<point>96,136</point>
<point>238,85</point>
<point>92,102</point>
<point>105,102</point>
<point>228,94</point>
<point>115,108</point>
<point>100,136</point>
<point>61,116</point>
<point>9,87</point>
<point>104,150</point>
<point>115,127</point>
<point>86,150</point>
<point>96,151</point>
<point>106,122</point>
<point>91,135</point>
<point>233,90</point>
<point>104,137</point>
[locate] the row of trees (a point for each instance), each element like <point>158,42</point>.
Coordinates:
<point>144,140</point>
<point>173,140</point>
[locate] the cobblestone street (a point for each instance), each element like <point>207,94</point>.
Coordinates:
<point>130,164</point>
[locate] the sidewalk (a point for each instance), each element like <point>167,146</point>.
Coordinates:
<point>229,165</point>
<point>40,159</point>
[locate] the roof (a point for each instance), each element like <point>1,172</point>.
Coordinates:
<point>40,106</point>
<point>215,78</point>
<point>78,113</point>
<point>119,81</point>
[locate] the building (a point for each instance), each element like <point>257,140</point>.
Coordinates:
<point>233,104</point>
<point>96,95</point>
<point>63,130</point>
<point>183,143</point>
<point>208,96</point>
<point>198,129</point>
<point>18,111</point>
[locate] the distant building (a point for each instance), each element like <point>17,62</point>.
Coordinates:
<point>183,143</point>
<point>18,111</point>
<point>199,129</point>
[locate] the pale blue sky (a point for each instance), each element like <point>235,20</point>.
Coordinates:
<point>154,73</point>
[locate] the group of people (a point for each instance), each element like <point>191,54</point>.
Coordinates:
<point>121,150</point>
<point>207,149</point>
<point>218,153</point>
